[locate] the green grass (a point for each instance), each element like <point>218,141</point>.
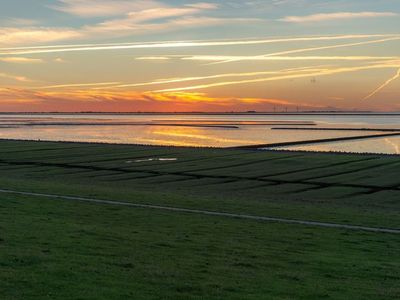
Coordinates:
<point>57,249</point>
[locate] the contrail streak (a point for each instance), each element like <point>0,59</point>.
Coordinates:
<point>290,76</point>
<point>314,49</point>
<point>185,79</point>
<point>279,58</point>
<point>386,83</point>
<point>96,47</point>
<point>151,43</point>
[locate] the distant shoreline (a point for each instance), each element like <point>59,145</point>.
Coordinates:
<point>317,141</point>
<point>327,113</point>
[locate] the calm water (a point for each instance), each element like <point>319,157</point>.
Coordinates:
<point>378,145</point>
<point>189,130</point>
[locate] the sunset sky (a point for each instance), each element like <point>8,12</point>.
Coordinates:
<point>264,55</point>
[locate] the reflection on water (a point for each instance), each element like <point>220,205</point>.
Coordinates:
<point>375,145</point>
<point>165,135</point>
<point>395,145</point>
<point>151,159</point>
<point>179,131</point>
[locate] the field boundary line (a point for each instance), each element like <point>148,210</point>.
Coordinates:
<point>206,212</point>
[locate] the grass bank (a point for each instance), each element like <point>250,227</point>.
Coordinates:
<point>58,249</point>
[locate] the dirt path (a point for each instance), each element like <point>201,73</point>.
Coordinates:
<point>206,212</point>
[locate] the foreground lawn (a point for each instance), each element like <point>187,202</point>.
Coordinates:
<point>59,249</point>
<point>53,249</point>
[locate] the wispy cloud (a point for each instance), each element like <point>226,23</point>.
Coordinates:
<point>74,85</point>
<point>140,9</point>
<point>124,18</point>
<point>83,99</point>
<point>128,27</point>
<point>157,17</point>
<point>153,58</point>
<point>189,97</point>
<point>59,60</point>
<point>336,16</point>
<point>21,60</point>
<point>14,77</point>
<point>102,8</point>
<point>19,22</point>
<point>28,35</point>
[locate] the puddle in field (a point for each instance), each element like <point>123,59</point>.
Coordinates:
<point>151,159</point>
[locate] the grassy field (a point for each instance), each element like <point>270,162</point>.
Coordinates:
<point>53,248</point>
